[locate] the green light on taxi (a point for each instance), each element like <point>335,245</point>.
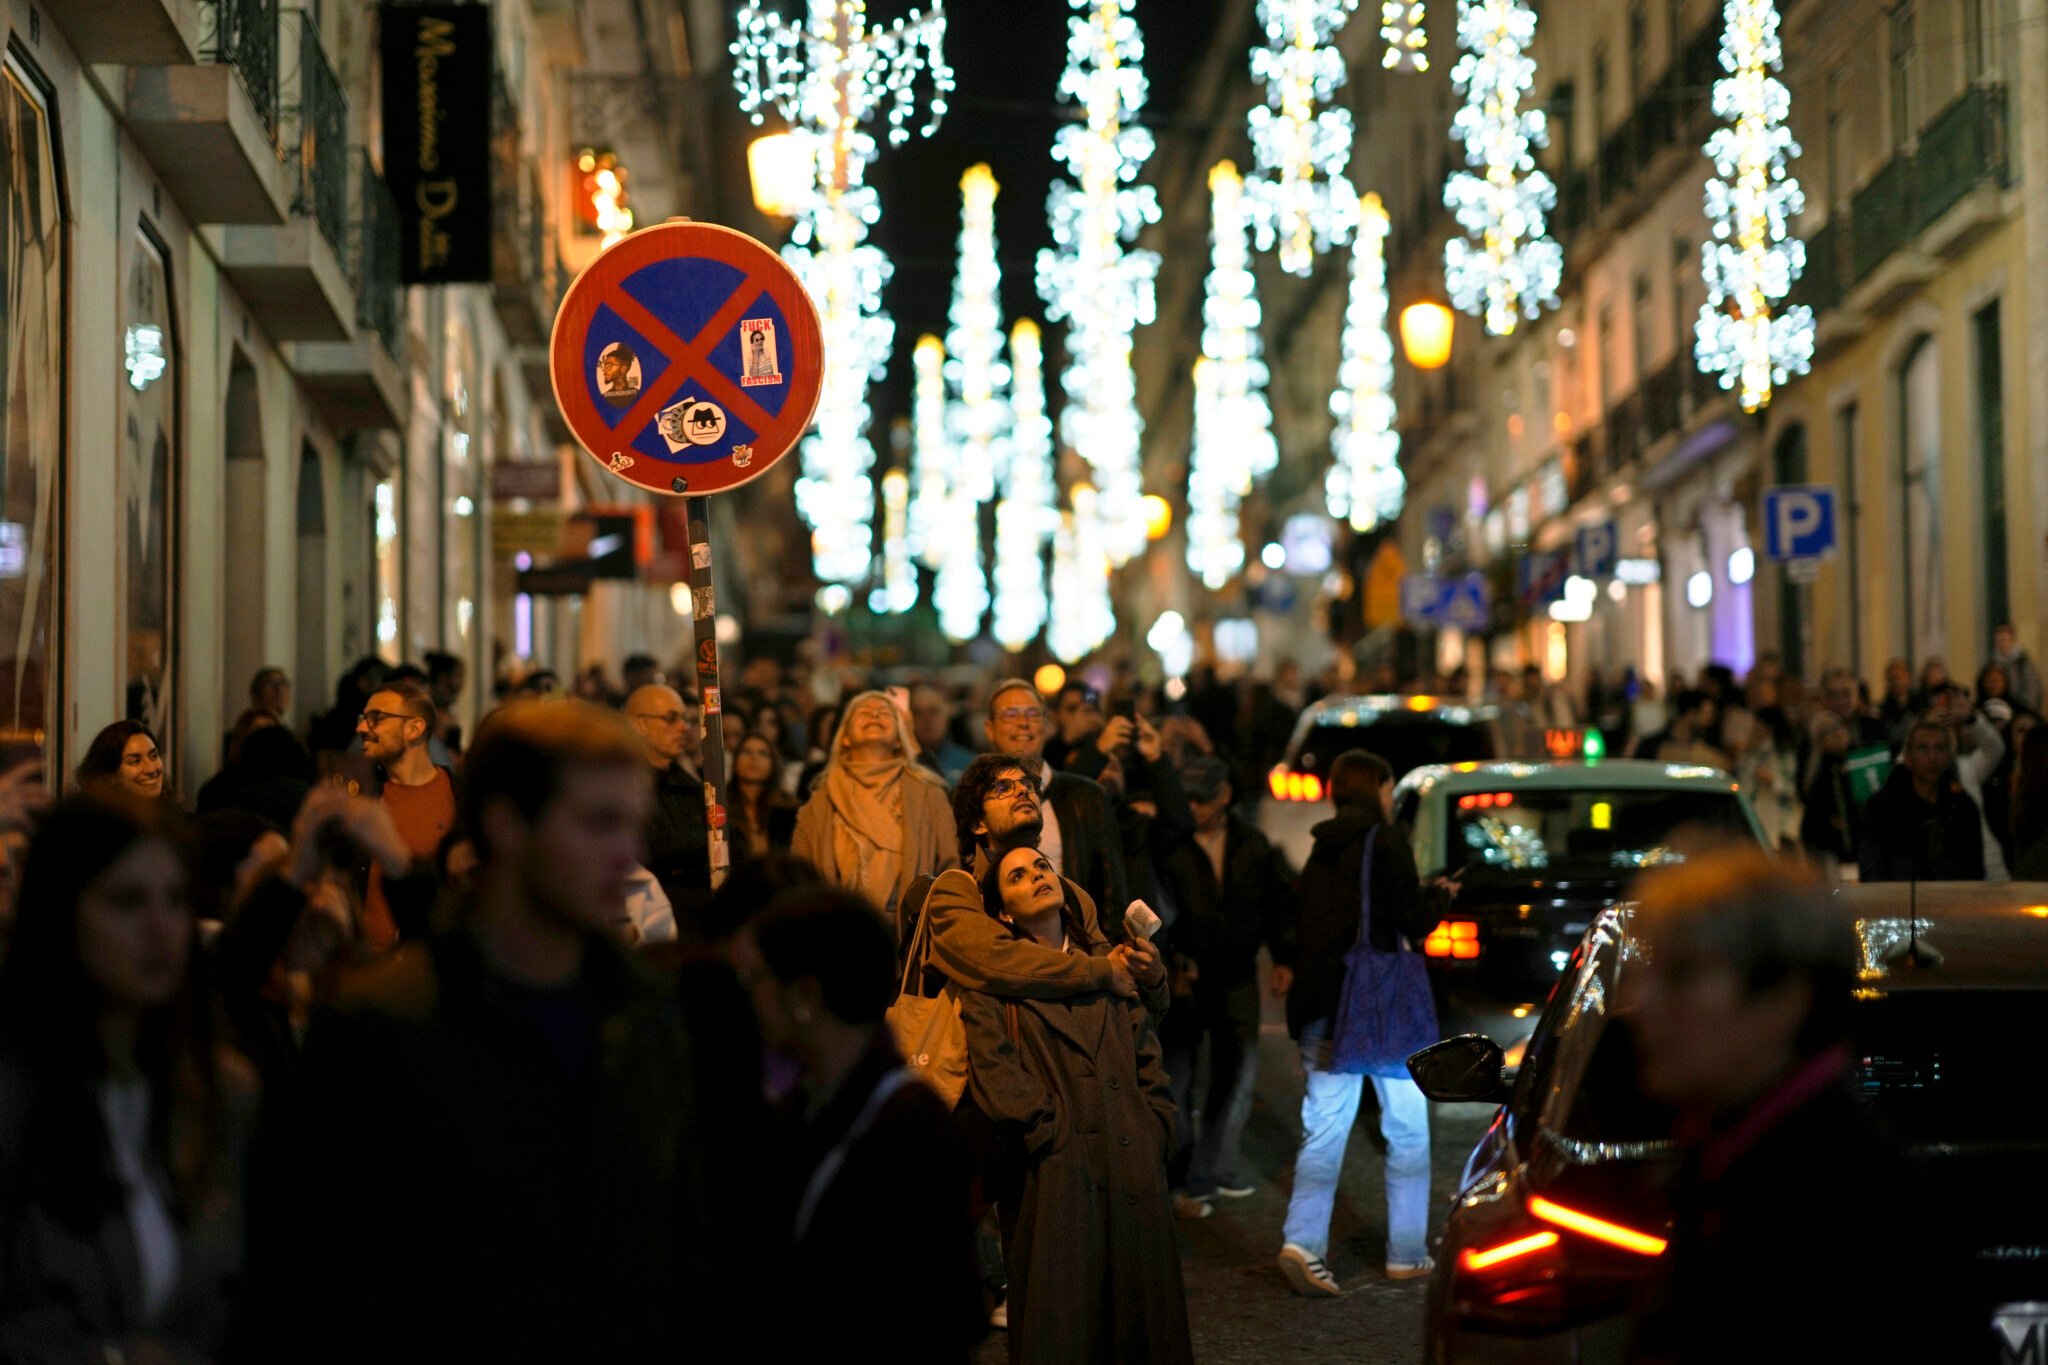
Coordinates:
<point>1595,747</point>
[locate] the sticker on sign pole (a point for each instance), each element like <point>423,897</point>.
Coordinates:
<point>687,358</point>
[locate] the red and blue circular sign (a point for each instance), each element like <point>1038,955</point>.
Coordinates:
<point>687,358</point>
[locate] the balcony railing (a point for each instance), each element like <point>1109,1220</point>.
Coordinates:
<point>1661,401</point>
<point>1820,285</point>
<point>373,257</point>
<point>1964,147</point>
<point>243,34</point>
<point>1882,215</point>
<point>1624,431</point>
<point>320,150</point>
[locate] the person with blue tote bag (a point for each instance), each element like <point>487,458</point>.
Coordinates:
<point>1359,1002</point>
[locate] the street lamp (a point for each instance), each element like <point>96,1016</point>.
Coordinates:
<point>1426,334</point>
<point>782,171</point>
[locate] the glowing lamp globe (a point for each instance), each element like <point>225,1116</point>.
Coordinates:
<point>782,169</point>
<point>1426,335</point>
<point>1158,516</point>
<point>1049,679</point>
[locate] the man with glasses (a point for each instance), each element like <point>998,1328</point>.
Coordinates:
<point>1080,836</point>
<point>395,728</point>
<point>679,824</point>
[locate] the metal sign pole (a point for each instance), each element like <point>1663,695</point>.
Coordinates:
<point>704,621</point>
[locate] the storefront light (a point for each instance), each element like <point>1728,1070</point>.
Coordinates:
<point>1699,589</point>
<point>1274,556</point>
<point>1741,565</point>
<point>782,167</point>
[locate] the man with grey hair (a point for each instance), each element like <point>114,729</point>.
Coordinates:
<point>1790,1195</point>
<point>679,824</point>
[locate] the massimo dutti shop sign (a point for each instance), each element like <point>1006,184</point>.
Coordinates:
<point>437,138</point>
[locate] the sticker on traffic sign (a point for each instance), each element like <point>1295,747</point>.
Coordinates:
<point>687,358</point>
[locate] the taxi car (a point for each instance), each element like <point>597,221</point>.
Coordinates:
<point>1560,1224</point>
<point>1538,850</point>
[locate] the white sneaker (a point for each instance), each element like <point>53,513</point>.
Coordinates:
<point>1397,1270</point>
<point>1306,1274</point>
<point>999,1316</point>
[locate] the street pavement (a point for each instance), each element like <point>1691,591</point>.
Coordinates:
<point>1239,1307</point>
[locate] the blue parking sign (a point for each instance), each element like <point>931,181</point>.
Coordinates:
<point>1799,521</point>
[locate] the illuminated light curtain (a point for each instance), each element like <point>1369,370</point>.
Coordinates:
<point>1407,37</point>
<point>1509,269</point>
<point>1082,615</point>
<point>1299,197</point>
<point>1088,278</point>
<point>898,592</point>
<point>1365,486</point>
<point>1233,435</point>
<point>977,412</point>
<point>1752,260</point>
<point>830,77</point>
<point>931,453</point>
<point>1028,512</point>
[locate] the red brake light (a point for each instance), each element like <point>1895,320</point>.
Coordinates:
<point>1475,1259</point>
<point>1312,787</point>
<point>1599,1229</point>
<point>1453,938</point>
<point>1277,780</point>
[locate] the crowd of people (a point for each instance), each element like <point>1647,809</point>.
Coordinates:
<point>395,1043</point>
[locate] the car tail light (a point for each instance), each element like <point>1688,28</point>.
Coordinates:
<point>1457,939</point>
<point>1287,785</point>
<point>1521,1275</point>
<point>1486,801</point>
<point>1599,1229</point>
<point>1486,1259</point>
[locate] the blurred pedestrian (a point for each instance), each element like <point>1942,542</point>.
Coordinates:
<point>1740,1011</point>
<point>447,676</point>
<point>2021,671</point>
<point>333,732</point>
<point>124,764</point>
<point>1328,925</point>
<point>2030,807</point>
<point>878,820</point>
<point>679,822</point>
<point>1922,826</point>
<point>396,728</point>
<point>1895,710</point>
<point>870,1181</point>
<point>1077,1086</point>
<point>1080,834</point>
<point>1076,720</point>
<point>760,817</point>
<point>121,1121</point>
<point>269,778</point>
<point>487,1152</point>
<point>931,716</point>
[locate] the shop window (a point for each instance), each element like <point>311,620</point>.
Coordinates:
<point>147,401</point>
<point>32,373</point>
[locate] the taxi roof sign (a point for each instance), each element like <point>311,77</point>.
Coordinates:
<point>687,358</point>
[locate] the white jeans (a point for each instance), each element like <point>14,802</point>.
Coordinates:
<point>1329,1108</point>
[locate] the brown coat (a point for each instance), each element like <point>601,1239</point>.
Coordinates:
<point>1088,1229</point>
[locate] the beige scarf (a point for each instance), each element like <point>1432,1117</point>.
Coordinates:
<point>867,831</point>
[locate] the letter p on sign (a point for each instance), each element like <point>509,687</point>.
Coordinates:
<point>1799,521</point>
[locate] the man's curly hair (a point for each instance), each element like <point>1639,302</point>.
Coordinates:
<point>971,791</point>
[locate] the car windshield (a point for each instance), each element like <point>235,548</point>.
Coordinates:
<point>1405,740</point>
<point>1945,1066</point>
<point>1585,831</point>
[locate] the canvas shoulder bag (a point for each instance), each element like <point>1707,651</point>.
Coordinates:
<point>928,1029</point>
<point>1385,1011</point>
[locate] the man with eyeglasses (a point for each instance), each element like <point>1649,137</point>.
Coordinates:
<point>1080,836</point>
<point>396,727</point>
<point>679,824</point>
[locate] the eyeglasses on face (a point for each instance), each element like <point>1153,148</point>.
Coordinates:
<point>375,718</point>
<point>1021,715</point>
<point>665,717</point>
<point>1007,786</point>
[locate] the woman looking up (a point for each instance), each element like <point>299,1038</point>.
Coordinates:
<point>877,820</point>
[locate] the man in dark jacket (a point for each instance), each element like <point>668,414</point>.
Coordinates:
<point>1923,826</point>
<point>1232,892</point>
<point>488,1153</point>
<point>1740,1013</point>
<point>1080,833</point>
<point>679,823</point>
<point>1328,919</point>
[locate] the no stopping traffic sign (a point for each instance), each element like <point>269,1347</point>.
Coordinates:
<point>687,358</point>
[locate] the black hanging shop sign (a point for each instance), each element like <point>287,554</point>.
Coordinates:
<point>437,138</point>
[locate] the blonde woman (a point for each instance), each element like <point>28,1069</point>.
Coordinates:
<point>876,819</point>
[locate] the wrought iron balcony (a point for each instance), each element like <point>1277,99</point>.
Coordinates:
<point>1882,215</point>
<point>1625,431</point>
<point>373,258</point>
<point>1662,413</point>
<point>1963,147</point>
<point>1820,285</point>
<point>318,123</point>
<point>243,34</point>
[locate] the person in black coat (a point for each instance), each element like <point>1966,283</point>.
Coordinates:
<point>1923,826</point>
<point>1740,1012</point>
<point>1232,893</point>
<point>870,1181</point>
<point>1080,830</point>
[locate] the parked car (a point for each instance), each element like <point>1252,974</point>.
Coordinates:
<point>1559,1225</point>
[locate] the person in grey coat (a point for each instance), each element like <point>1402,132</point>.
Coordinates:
<point>1077,1085</point>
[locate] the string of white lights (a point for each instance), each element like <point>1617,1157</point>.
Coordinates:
<point>1752,259</point>
<point>1028,513</point>
<point>1088,278</point>
<point>931,454</point>
<point>1407,35</point>
<point>898,592</point>
<point>1233,436</point>
<point>1365,485</point>
<point>1509,268</point>
<point>830,76</point>
<point>1083,616</point>
<point>976,374</point>
<point>1299,197</point>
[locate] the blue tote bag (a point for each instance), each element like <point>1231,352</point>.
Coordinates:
<point>1385,1011</point>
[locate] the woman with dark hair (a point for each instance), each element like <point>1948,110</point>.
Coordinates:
<point>1994,682</point>
<point>763,818</point>
<point>123,763</point>
<point>872,1176</point>
<point>1077,1088</point>
<point>119,1120</point>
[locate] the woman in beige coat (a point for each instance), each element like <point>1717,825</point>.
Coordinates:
<point>876,820</point>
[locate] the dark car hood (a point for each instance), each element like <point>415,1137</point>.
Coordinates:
<point>1491,892</point>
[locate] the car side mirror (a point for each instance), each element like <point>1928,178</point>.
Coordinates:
<point>1468,1069</point>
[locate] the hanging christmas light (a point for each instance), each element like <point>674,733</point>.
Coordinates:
<point>1509,268</point>
<point>1088,278</point>
<point>1752,260</point>
<point>1233,436</point>
<point>830,77</point>
<point>1365,486</point>
<point>931,454</point>
<point>978,379</point>
<point>899,572</point>
<point>1027,514</point>
<point>1406,35</point>
<point>1082,615</point>
<point>1299,197</point>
